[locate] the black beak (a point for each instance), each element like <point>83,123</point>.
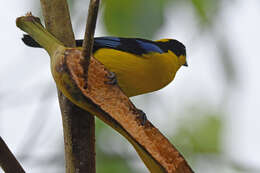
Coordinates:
<point>186,64</point>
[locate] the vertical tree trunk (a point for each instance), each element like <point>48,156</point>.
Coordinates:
<point>78,125</point>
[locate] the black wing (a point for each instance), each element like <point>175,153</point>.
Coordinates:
<point>132,45</point>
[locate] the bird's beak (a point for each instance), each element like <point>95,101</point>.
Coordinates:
<point>185,64</point>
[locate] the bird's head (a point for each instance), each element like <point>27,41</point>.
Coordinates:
<point>175,47</point>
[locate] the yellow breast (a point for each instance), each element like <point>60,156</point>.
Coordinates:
<point>139,74</point>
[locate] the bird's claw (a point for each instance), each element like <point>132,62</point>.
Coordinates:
<point>112,78</point>
<point>141,116</point>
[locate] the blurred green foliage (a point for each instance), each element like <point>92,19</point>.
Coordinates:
<point>134,18</point>
<point>113,163</point>
<point>107,160</point>
<point>206,10</point>
<point>199,133</point>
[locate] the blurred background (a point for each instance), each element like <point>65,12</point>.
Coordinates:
<point>210,112</point>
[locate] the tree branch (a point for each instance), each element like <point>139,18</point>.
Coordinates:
<point>78,124</point>
<point>90,29</point>
<point>89,35</point>
<point>8,162</point>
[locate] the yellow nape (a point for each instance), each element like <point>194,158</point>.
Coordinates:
<point>139,74</point>
<point>163,40</point>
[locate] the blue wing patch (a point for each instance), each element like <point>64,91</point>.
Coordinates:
<point>149,46</point>
<point>131,45</point>
<point>111,42</point>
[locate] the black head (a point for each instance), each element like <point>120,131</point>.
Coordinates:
<point>173,45</point>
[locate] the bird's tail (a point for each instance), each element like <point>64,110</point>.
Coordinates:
<point>29,41</point>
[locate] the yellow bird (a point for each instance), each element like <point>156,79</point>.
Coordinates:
<point>140,65</point>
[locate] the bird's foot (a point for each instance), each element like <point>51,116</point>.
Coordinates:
<point>112,78</point>
<point>141,116</point>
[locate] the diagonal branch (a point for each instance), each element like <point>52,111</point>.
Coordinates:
<point>8,161</point>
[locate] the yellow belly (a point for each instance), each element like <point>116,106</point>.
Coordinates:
<point>139,74</point>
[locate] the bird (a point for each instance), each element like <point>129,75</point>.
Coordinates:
<point>140,65</point>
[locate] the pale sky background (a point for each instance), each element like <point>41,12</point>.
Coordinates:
<point>26,79</point>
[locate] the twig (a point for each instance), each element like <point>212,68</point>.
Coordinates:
<point>8,162</point>
<point>89,35</point>
<point>90,29</point>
